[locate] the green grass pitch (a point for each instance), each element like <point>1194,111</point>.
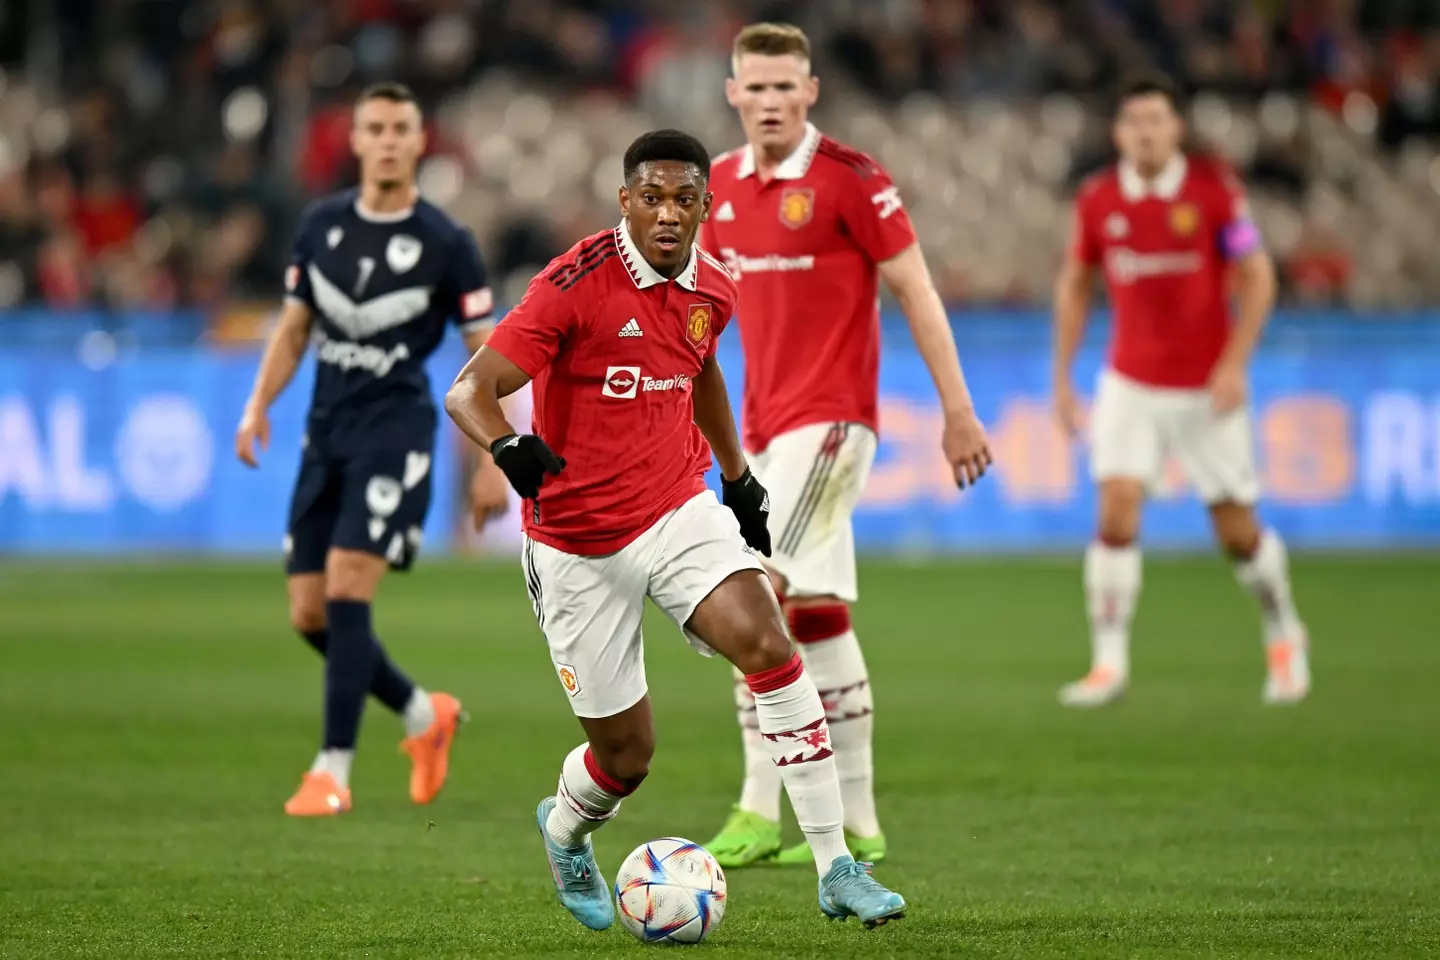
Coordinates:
<point>153,719</point>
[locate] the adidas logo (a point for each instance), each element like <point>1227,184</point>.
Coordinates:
<point>726,212</point>
<point>631,329</point>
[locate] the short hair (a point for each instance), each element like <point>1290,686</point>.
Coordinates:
<point>391,90</point>
<point>674,145</point>
<point>770,40</point>
<point>1145,85</point>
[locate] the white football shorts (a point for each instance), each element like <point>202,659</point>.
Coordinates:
<point>815,476</point>
<point>590,608</point>
<point>1134,427</point>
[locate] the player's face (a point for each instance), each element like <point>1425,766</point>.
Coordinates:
<point>388,138</point>
<point>1147,131</point>
<point>665,203</point>
<point>774,96</point>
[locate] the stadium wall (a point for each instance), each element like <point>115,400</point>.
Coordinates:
<point>132,453</point>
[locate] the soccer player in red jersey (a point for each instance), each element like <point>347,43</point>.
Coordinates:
<point>810,227</point>
<point>619,337</point>
<point>1173,237</point>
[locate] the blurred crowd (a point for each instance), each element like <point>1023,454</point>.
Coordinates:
<point>154,154</point>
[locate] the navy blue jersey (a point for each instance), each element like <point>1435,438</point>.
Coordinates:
<point>382,290</point>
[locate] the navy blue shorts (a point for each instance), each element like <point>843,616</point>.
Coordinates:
<point>374,501</point>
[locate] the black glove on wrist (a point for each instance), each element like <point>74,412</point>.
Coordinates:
<point>525,461</point>
<point>750,503</point>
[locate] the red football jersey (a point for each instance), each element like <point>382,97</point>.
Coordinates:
<point>612,347</point>
<point>1166,247</point>
<point>804,248</point>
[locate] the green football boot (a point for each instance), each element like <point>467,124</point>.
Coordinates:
<point>746,839</point>
<point>863,849</point>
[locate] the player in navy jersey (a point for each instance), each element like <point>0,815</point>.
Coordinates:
<point>375,276</point>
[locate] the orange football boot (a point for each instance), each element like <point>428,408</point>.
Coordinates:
<point>320,795</point>
<point>430,751</point>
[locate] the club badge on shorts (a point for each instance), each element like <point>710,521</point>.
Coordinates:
<point>1184,218</point>
<point>697,323</point>
<point>797,206</point>
<point>568,680</point>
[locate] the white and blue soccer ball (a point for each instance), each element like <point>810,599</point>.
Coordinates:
<point>670,891</point>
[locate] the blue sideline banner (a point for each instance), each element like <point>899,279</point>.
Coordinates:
<point>137,456</point>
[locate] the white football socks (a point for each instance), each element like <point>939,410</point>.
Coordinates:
<point>1266,575</point>
<point>838,668</point>
<point>585,799</point>
<point>336,763</point>
<point>419,713</point>
<point>1112,586</point>
<point>760,793</point>
<point>792,721</point>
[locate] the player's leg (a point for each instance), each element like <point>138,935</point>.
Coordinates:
<point>712,585</point>
<point>815,557</point>
<point>388,684</point>
<point>590,610</point>
<point>1125,457</point>
<point>383,501</point>
<point>1218,456</point>
<point>815,476</point>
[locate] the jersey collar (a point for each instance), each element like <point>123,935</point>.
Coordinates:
<point>793,167</point>
<point>640,270</point>
<point>1166,186</point>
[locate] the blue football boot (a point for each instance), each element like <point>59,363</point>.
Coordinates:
<point>848,890</point>
<point>578,882</point>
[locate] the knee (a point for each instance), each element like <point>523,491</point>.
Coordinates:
<point>627,757</point>
<point>771,647</point>
<point>307,604</point>
<point>352,575</point>
<point>307,617</point>
<point>1119,515</point>
<point>1236,530</point>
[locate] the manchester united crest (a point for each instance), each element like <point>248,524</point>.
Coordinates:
<point>697,323</point>
<point>797,206</point>
<point>1184,219</point>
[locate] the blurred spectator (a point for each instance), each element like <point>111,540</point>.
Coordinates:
<point>155,153</point>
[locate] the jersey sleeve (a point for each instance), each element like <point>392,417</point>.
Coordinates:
<point>875,215</point>
<point>1238,235</point>
<point>532,335</point>
<point>297,272</point>
<point>1084,238</point>
<point>466,287</point>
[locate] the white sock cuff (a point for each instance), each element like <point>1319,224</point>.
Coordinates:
<point>1270,561</point>
<point>1112,566</point>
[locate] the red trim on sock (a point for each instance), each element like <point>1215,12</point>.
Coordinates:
<point>812,624</point>
<point>1114,543</point>
<point>602,779</point>
<point>776,678</point>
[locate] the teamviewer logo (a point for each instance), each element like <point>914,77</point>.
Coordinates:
<point>621,382</point>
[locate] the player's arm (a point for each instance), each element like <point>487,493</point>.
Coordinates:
<point>716,420</point>
<point>739,489</point>
<point>1255,287</point>
<point>515,352</point>
<point>908,278</point>
<point>473,400</point>
<point>1074,289</point>
<point>283,351</point>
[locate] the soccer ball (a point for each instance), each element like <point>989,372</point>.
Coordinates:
<point>670,891</point>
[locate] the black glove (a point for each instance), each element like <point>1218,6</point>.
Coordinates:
<point>750,503</point>
<point>525,461</point>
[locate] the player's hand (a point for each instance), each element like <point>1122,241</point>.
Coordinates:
<point>489,494</point>
<point>1067,409</point>
<point>525,460</point>
<point>1227,388</point>
<point>254,429</point>
<point>966,448</point>
<point>750,502</point>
